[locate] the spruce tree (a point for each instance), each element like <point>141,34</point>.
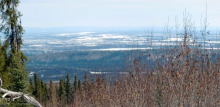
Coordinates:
<point>50,90</point>
<point>11,27</point>
<point>45,96</point>
<point>35,85</point>
<point>61,92</point>
<point>79,85</point>
<point>37,88</point>
<point>52,94</point>
<point>68,89</point>
<point>3,59</point>
<point>31,87</point>
<point>75,84</point>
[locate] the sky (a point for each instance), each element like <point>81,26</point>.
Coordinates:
<point>115,13</point>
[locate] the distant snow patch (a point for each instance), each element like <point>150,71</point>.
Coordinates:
<point>35,45</point>
<point>99,72</point>
<point>120,49</point>
<point>174,39</point>
<point>72,34</point>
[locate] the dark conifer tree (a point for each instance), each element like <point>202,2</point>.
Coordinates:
<point>31,87</point>
<point>79,85</point>
<point>68,89</point>
<point>52,94</point>
<point>35,85</point>
<point>37,88</point>
<point>11,27</point>
<point>3,59</point>
<point>50,90</point>
<point>62,92</point>
<point>75,84</point>
<point>44,93</point>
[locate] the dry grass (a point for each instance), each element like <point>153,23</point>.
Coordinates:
<point>185,75</point>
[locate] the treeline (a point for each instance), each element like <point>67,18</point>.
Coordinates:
<point>79,59</point>
<point>60,93</point>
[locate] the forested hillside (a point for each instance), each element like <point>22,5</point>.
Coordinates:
<point>57,65</point>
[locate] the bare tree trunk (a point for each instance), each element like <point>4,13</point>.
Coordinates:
<point>16,95</point>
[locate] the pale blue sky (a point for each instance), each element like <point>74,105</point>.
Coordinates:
<point>114,13</point>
